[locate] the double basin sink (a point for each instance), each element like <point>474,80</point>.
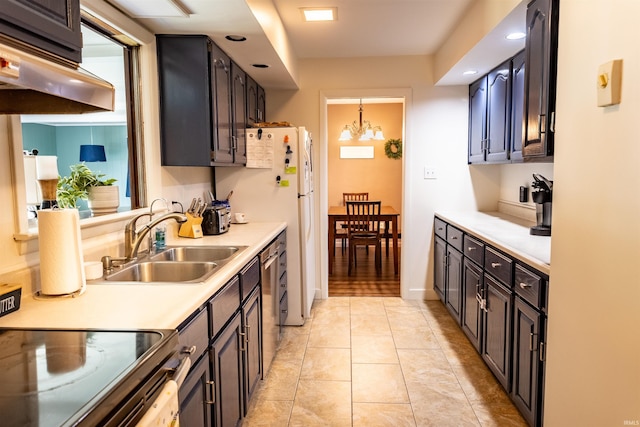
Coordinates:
<point>176,264</point>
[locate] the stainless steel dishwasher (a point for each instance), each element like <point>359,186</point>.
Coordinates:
<point>270,302</point>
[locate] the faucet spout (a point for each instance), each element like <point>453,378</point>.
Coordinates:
<point>134,237</point>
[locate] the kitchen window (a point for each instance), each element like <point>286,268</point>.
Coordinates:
<point>114,58</point>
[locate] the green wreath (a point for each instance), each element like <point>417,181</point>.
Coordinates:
<point>393,148</point>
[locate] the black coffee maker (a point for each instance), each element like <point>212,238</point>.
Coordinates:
<point>543,189</point>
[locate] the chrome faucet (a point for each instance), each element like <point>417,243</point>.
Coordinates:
<point>133,237</point>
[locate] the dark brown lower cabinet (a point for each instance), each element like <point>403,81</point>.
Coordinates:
<point>228,369</point>
<point>471,318</point>
<point>527,360</point>
<point>453,287</point>
<point>196,395</point>
<point>439,267</point>
<point>251,315</point>
<point>496,337</point>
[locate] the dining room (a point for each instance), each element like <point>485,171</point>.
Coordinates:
<point>367,169</point>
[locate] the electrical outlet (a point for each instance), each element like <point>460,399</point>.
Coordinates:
<point>430,173</point>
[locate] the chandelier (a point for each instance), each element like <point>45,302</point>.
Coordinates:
<point>362,131</point>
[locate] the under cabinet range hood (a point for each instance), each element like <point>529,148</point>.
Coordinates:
<point>32,85</point>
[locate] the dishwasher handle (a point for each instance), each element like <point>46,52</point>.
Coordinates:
<point>181,371</point>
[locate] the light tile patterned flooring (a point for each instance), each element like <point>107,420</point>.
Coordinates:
<point>374,361</point>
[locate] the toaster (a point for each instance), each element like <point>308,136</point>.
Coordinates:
<point>215,220</point>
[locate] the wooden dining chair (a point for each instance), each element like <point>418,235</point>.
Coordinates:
<point>363,229</point>
<point>341,228</point>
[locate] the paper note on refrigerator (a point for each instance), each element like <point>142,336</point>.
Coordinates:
<point>259,149</point>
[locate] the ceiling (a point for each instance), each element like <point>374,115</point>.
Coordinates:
<point>278,37</point>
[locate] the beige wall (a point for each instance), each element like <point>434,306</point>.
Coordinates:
<point>381,176</point>
<point>593,358</point>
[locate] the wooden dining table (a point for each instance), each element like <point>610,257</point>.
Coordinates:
<point>387,215</point>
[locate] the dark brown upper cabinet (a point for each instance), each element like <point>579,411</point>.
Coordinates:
<point>44,27</point>
<point>540,80</point>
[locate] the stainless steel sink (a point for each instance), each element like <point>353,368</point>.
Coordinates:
<point>198,253</point>
<point>164,271</point>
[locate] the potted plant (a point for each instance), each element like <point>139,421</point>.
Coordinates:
<point>83,183</point>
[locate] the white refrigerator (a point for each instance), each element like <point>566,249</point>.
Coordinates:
<point>277,185</point>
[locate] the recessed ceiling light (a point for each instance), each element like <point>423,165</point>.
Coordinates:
<point>310,14</point>
<point>515,36</point>
<point>235,38</point>
<point>470,72</point>
<point>260,65</point>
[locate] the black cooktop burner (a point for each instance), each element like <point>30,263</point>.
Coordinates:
<point>53,377</point>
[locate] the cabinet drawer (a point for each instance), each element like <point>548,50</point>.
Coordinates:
<point>473,249</point>
<point>194,336</point>
<point>250,277</point>
<point>223,305</point>
<point>499,266</point>
<point>440,228</point>
<point>282,242</point>
<point>530,286</point>
<point>282,261</point>
<point>282,285</point>
<point>454,237</point>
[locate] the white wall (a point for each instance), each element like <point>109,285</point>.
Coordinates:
<point>435,135</point>
<point>593,359</point>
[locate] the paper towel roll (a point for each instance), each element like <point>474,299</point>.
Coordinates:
<point>61,260</point>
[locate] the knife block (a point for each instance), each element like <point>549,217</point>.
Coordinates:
<point>191,228</point>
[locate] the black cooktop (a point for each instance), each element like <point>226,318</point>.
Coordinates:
<point>57,377</point>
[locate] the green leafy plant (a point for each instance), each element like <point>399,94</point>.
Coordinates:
<point>76,185</point>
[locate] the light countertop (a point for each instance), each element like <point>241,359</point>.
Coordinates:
<point>507,233</point>
<point>144,306</point>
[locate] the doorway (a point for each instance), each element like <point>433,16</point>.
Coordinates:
<point>361,166</point>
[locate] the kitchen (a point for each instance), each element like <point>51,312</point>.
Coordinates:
<point>592,369</point>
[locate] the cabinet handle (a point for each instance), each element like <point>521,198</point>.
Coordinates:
<point>524,285</point>
<point>243,340</point>
<point>496,265</point>
<point>552,126</point>
<point>234,146</point>
<point>471,248</point>
<point>189,350</point>
<point>246,337</point>
<point>542,354</point>
<point>212,393</point>
<point>454,237</point>
<point>531,338</point>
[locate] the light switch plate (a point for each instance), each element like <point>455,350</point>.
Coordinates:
<point>609,83</point>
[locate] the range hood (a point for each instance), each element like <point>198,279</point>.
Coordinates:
<point>32,85</point>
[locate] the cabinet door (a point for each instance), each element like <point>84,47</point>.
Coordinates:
<point>228,374</point>
<point>453,290</point>
<point>496,335</point>
<point>477,120</point>
<point>185,105</point>
<point>252,101</point>
<point>439,266</point>
<point>517,107</point>
<point>53,26</point>
<point>498,113</point>
<point>540,78</point>
<point>222,143</point>
<point>251,323</point>
<point>526,360</point>
<point>472,293</point>
<point>196,396</point>
<point>239,106</point>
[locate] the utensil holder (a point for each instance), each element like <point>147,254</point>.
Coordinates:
<point>191,228</point>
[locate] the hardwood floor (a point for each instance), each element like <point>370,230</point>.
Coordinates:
<point>363,280</point>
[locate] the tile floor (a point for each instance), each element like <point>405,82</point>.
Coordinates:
<point>373,361</point>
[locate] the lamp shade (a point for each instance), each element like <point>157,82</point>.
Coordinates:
<point>92,153</point>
